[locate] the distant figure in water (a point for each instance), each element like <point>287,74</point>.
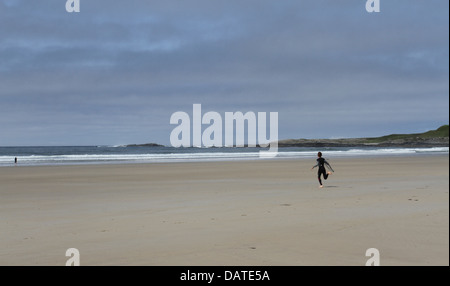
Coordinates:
<point>15,160</point>
<point>321,163</point>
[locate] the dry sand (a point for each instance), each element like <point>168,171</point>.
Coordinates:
<point>228,213</point>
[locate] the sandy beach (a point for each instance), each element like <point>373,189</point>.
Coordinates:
<point>228,213</point>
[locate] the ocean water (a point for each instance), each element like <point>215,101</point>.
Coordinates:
<point>72,155</point>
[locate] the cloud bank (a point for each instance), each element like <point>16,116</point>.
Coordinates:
<point>115,72</point>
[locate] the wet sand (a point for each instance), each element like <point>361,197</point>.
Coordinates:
<point>228,213</point>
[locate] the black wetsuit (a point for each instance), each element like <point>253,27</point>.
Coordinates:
<point>321,162</point>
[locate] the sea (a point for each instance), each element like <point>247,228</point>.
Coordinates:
<point>76,155</point>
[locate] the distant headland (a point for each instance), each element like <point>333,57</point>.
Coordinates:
<point>144,145</point>
<point>432,138</point>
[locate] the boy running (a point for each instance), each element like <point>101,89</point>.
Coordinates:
<point>321,162</point>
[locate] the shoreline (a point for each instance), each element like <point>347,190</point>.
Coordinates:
<point>266,212</point>
<point>306,155</point>
<point>312,157</point>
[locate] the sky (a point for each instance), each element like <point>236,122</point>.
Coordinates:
<point>115,72</point>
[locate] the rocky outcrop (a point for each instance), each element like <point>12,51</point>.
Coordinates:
<point>145,145</point>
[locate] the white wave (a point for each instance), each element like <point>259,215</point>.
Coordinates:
<point>207,156</point>
<point>33,159</point>
<point>368,152</point>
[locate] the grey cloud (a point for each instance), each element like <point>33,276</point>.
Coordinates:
<point>120,69</point>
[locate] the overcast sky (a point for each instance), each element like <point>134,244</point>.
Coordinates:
<point>115,72</point>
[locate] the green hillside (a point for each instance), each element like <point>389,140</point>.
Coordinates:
<point>441,132</point>
<point>433,138</point>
